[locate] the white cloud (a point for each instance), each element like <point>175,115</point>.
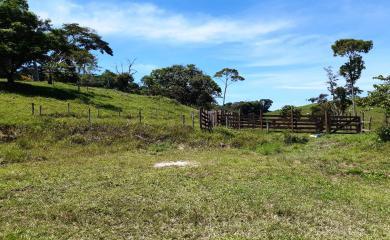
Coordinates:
<point>148,21</point>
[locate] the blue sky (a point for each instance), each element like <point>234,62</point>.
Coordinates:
<point>279,46</point>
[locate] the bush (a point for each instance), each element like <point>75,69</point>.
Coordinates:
<point>78,139</point>
<point>294,138</point>
<point>384,133</point>
<point>285,112</point>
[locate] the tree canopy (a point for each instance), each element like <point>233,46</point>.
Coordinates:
<point>228,76</point>
<point>187,84</point>
<point>252,107</point>
<point>381,95</point>
<point>23,37</point>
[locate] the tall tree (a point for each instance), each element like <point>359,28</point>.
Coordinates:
<point>72,50</point>
<point>23,37</point>
<point>228,76</point>
<point>352,69</point>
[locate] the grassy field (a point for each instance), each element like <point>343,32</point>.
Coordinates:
<point>15,105</point>
<point>61,178</point>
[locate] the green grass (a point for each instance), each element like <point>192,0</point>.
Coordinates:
<point>61,178</point>
<point>15,105</point>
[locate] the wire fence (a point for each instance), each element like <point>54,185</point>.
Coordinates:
<point>139,115</point>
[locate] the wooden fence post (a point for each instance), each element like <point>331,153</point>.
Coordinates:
<point>369,124</point>
<point>267,127</point>
<point>193,119</point>
<point>40,110</point>
<point>292,119</point>
<point>89,116</point>
<point>140,116</point>
<point>32,108</point>
<point>261,119</point>
<point>327,122</point>
<point>239,119</point>
<point>68,108</point>
<point>226,120</point>
<point>200,118</point>
<point>363,120</point>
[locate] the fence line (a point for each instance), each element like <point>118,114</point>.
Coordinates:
<point>140,115</point>
<point>292,121</point>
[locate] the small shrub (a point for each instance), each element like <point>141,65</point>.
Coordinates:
<point>160,147</point>
<point>269,148</point>
<point>78,139</point>
<point>13,155</point>
<point>384,133</point>
<point>294,138</point>
<point>24,143</point>
<point>225,132</point>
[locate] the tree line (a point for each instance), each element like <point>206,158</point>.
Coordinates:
<point>32,48</point>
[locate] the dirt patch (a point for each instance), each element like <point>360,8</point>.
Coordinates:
<point>176,164</point>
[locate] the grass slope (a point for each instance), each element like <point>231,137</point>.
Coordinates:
<point>61,178</point>
<point>15,104</point>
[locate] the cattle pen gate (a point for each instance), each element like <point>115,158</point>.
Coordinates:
<point>274,122</point>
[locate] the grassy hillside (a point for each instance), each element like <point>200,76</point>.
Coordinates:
<point>61,178</point>
<point>15,105</point>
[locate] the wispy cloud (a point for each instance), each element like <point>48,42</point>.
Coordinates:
<point>150,22</point>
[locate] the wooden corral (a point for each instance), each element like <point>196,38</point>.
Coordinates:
<point>273,122</point>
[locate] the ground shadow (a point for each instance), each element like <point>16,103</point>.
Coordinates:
<point>29,90</point>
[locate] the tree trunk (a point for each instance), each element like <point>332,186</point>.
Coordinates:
<point>50,80</point>
<point>224,92</point>
<point>10,78</point>
<point>353,100</point>
<point>36,71</point>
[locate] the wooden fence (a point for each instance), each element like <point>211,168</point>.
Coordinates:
<point>293,122</point>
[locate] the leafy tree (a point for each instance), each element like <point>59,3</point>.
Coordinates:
<point>352,70</point>
<point>322,98</point>
<point>228,76</point>
<point>23,37</point>
<point>72,51</point>
<point>341,101</point>
<point>332,80</point>
<point>253,107</point>
<point>187,84</point>
<point>285,112</point>
<point>380,97</point>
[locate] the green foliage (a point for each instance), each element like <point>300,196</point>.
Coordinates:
<point>23,37</point>
<point>294,138</point>
<point>253,107</point>
<point>228,76</point>
<point>78,139</point>
<point>380,97</point>
<point>384,133</point>
<point>352,69</point>
<point>186,84</point>
<point>288,109</point>
<point>351,47</point>
<point>269,148</point>
<point>71,52</point>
